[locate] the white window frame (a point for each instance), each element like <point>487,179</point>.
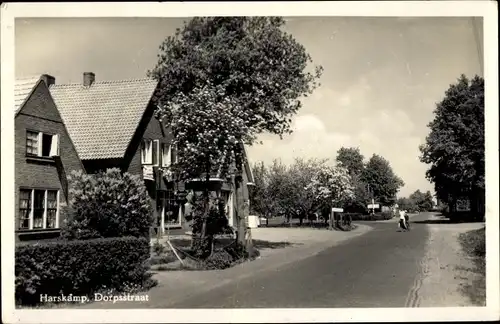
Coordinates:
<point>44,217</point>
<point>166,155</point>
<point>158,152</point>
<point>54,150</point>
<point>147,152</point>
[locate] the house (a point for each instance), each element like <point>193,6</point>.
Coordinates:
<point>112,124</point>
<point>44,155</point>
<point>225,188</point>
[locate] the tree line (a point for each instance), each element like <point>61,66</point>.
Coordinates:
<point>417,201</point>
<point>454,148</point>
<point>310,186</point>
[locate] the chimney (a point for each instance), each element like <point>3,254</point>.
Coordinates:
<point>48,79</point>
<point>88,78</point>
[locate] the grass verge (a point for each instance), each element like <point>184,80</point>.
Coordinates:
<point>474,245</point>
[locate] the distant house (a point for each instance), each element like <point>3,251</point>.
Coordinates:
<point>44,154</point>
<point>225,188</point>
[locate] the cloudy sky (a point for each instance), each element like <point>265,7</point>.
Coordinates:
<point>382,76</point>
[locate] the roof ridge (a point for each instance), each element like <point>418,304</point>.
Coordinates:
<point>28,78</point>
<point>73,84</point>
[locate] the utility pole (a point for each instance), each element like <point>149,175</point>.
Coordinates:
<point>370,191</point>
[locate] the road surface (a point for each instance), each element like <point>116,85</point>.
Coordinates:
<point>379,269</point>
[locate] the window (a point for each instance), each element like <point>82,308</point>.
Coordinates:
<point>166,155</point>
<point>147,151</point>
<point>24,209</point>
<point>51,208</point>
<point>150,151</point>
<point>40,144</point>
<point>38,209</point>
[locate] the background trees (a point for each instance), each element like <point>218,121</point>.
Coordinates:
<point>417,201</point>
<point>383,182</point>
<point>352,159</point>
<point>454,147</point>
<point>246,68</point>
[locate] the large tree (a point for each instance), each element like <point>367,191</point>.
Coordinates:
<point>454,147</point>
<point>384,184</point>
<point>252,64</point>
<point>352,159</point>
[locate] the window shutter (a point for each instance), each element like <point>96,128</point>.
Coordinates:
<point>143,151</point>
<point>54,149</point>
<point>168,155</point>
<point>173,154</point>
<point>155,153</point>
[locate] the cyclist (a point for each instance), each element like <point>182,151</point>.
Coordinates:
<point>403,220</point>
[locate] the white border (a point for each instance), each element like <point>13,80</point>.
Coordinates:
<point>486,9</point>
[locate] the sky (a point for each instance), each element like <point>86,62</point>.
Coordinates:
<point>382,76</point>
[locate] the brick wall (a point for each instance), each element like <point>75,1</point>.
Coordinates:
<point>149,128</point>
<point>40,114</point>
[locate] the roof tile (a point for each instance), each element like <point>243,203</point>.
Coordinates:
<point>22,89</point>
<point>101,119</point>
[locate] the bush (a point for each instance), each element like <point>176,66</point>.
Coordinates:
<point>107,204</point>
<point>216,224</point>
<point>79,267</point>
<point>219,260</point>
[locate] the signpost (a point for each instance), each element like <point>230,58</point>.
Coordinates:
<point>332,215</point>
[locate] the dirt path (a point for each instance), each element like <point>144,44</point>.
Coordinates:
<point>446,269</point>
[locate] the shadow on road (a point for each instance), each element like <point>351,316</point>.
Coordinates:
<point>260,244</point>
<point>445,221</point>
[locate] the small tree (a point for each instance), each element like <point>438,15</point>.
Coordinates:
<point>261,200</point>
<point>352,159</point>
<point>208,129</point>
<point>107,204</point>
<point>331,186</point>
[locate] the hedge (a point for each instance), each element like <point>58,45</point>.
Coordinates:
<point>370,217</point>
<point>80,267</point>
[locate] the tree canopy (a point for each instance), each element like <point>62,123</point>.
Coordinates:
<point>383,182</point>
<point>417,201</point>
<point>223,81</point>
<point>454,147</point>
<point>352,159</point>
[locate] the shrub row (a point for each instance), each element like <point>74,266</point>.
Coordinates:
<point>370,217</point>
<point>80,268</point>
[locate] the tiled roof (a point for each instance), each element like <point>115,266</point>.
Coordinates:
<point>22,89</point>
<point>101,119</point>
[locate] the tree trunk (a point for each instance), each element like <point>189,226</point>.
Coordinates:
<point>207,203</point>
<point>241,225</point>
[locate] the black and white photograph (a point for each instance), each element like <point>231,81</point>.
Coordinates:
<point>267,162</point>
